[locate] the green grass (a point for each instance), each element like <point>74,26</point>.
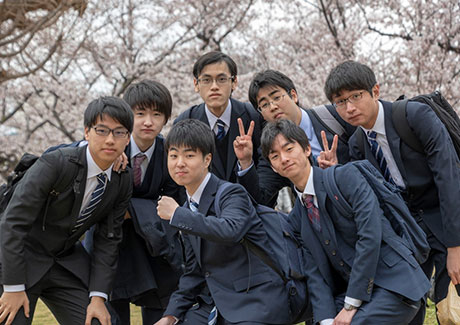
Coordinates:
<point>44,317</point>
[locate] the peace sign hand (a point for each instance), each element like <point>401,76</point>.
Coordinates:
<point>328,157</point>
<point>243,145</point>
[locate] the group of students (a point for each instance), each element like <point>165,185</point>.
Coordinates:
<point>153,236</point>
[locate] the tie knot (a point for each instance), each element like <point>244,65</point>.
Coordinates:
<point>220,123</point>
<point>101,178</point>
<point>193,205</point>
<point>372,135</point>
<point>308,200</point>
<point>220,129</point>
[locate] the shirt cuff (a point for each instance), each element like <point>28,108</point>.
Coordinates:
<point>328,321</point>
<point>352,301</point>
<point>14,288</point>
<point>98,294</point>
<point>243,172</point>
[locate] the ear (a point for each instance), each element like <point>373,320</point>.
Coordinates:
<point>208,159</point>
<point>376,92</point>
<point>196,85</point>
<point>308,151</point>
<point>294,96</point>
<point>87,129</point>
<point>234,83</point>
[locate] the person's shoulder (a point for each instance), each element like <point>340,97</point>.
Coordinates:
<point>189,112</point>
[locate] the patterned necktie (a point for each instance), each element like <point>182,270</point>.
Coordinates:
<point>212,318</point>
<point>378,154</point>
<point>220,129</point>
<point>193,206</point>
<point>96,197</point>
<point>137,171</point>
<point>312,211</point>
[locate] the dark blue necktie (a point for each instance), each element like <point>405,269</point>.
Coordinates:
<point>96,197</point>
<point>378,154</point>
<point>212,318</point>
<point>193,206</point>
<point>220,129</point>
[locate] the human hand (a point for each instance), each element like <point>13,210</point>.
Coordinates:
<point>328,157</point>
<point>166,207</point>
<point>97,309</point>
<point>10,303</point>
<point>120,163</point>
<point>242,145</point>
<point>344,317</point>
<point>453,264</point>
<point>166,320</point>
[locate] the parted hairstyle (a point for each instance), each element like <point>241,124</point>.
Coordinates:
<point>289,130</point>
<point>211,58</point>
<point>113,107</point>
<point>268,78</point>
<point>349,75</point>
<point>193,134</point>
<point>149,94</point>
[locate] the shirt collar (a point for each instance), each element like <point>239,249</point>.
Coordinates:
<point>305,123</point>
<point>93,168</point>
<point>225,117</point>
<point>196,197</point>
<point>135,149</point>
<point>379,125</point>
<point>309,187</point>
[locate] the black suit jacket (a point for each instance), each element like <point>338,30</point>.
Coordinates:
<point>31,245</point>
<point>226,170</point>
<point>264,184</point>
<point>432,178</point>
<point>241,285</point>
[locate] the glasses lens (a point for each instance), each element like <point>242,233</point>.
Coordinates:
<point>120,133</point>
<point>100,130</point>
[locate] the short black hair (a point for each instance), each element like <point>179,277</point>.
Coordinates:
<point>149,94</point>
<point>113,107</point>
<point>194,134</point>
<point>288,129</point>
<point>349,75</point>
<point>211,58</point>
<point>268,78</point>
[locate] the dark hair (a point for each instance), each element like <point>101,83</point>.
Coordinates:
<point>113,107</point>
<point>149,94</point>
<point>194,134</point>
<point>349,75</point>
<point>211,58</point>
<point>268,78</point>
<point>288,129</point>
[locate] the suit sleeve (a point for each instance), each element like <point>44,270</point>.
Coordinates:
<point>263,183</point>
<point>367,218</point>
<point>105,254</point>
<point>24,208</point>
<point>230,226</point>
<point>444,164</point>
<point>190,285</point>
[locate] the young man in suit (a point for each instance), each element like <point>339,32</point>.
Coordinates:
<point>429,180</point>
<point>215,78</point>
<point>275,96</point>
<point>358,270</point>
<point>41,255</point>
<point>147,272</point>
<point>243,290</point>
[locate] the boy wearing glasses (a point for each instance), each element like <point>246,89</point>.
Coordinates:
<point>215,78</point>
<point>429,180</point>
<point>275,96</point>
<point>40,252</point>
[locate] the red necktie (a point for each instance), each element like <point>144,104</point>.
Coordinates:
<point>137,171</point>
<point>312,211</point>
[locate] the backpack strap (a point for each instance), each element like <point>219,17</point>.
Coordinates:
<point>399,118</point>
<point>256,250</point>
<point>334,193</point>
<point>328,120</point>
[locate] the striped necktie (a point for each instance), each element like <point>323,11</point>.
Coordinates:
<point>212,318</point>
<point>193,206</point>
<point>220,129</point>
<point>378,154</point>
<point>312,211</point>
<point>137,170</point>
<point>96,197</point>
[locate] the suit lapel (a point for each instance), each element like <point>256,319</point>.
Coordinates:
<point>394,141</point>
<point>79,189</point>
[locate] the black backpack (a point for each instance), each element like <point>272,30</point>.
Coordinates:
<point>439,105</point>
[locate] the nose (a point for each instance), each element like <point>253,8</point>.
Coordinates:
<point>284,157</point>
<point>110,138</point>
<point>273,105</point>
<point>180,161</point>
<point>349,106</point>
<point>214,84</point>
<point>148,120</point>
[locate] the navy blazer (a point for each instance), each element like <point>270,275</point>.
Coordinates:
<point>432,179</point>
<point>30,245</point>
<point>242,286</point>
<point>226,170</point>
<point>264,184</point>
<point>361,248</point>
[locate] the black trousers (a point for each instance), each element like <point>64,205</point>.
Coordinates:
<point>64,294</point>
<point>120,313</point>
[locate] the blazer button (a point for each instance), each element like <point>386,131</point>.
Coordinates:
<point>207,274</point>
<point>327,241</point>
<point>334,253</point>
<point>341,263</point>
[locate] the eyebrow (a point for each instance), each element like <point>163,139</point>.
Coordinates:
<point>269,95</point>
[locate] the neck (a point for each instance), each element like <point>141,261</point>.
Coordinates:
<point>143,145</point>
<point>218,111</point>
<point>301,182</point>
<point>298,116</point>
<point>191,188</point>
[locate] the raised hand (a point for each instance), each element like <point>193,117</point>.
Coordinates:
<point>242,145</point>
<point>328,157</point>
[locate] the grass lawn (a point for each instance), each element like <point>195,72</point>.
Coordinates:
<point>44,317</point>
